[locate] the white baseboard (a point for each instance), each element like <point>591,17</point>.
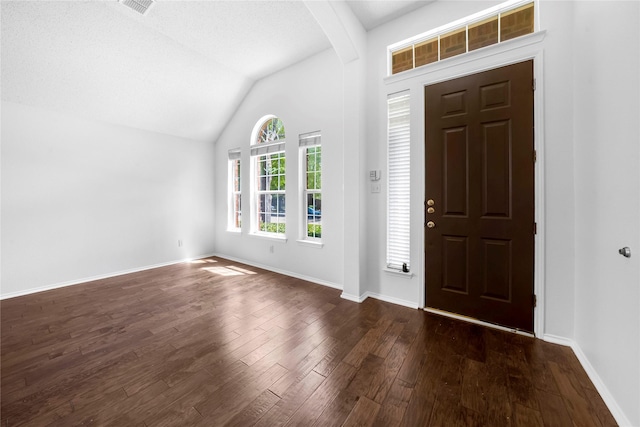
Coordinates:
<point>555,339</point>
<point>94,278</point>
<point>385,298</point>
<point>280,271</point>
<point>611,403</point>
<point>353,298</point>
<point>602,389</point>
<point>392,300</point>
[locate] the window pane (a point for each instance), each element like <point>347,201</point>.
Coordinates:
<point>237,175</point>
<point>314,215</point>
<point>318,180</point>
<point>237,209</point>
<point>271,130</point>
<point>427,52</point>
<point>483,33</point>
<point>318,159</point>
<point>234,209</point>
<point>402,60</point>
<point>516,22</point>
<point>453,43</point>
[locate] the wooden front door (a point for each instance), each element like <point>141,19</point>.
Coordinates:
<point>480,188</point>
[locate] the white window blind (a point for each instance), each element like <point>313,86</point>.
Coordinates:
<point>276,147</point>
<point>234,154</point>
<point>399,200</point>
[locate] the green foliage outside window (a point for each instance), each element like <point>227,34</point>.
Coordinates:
<point>314,230</point>
<point>272,227</point>
<point>314,168</point>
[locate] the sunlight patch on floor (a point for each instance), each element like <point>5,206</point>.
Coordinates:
<point>230,270</point>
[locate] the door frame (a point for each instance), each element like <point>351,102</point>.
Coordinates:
<point>529,47</point>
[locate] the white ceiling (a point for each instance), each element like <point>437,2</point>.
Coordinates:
<point>181,69</point>
<point>374,13</point>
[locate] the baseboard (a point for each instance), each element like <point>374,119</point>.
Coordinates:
<point>353,298</point>
<point>602,389</point>
<point>385,298</point>
<point>608,398</point>
<point>555,339</point>
<point>94,278</point>
<point>392,300</point>
<point>280,271</point>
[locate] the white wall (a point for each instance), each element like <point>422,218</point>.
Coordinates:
<point>83,198</point>
<point>607,198</point>
<point>307,97</point>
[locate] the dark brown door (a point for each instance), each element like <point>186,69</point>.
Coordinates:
<point>480,182</point>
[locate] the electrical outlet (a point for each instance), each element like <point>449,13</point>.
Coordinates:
<point>179,243</point>
<point>271,249</point>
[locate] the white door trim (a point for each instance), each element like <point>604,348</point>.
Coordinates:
<point>507,53</point>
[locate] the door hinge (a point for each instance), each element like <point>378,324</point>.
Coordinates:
<point>535,300</point>
<point>535,156</point>
<point>533,85</point>
<point>535,228</point>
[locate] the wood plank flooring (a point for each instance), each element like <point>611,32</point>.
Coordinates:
<point>214,342</point>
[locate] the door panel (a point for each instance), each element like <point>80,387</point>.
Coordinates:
<point>480,175</point>
<point>455,171</point>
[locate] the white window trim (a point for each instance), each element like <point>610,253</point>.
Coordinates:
<point>306,140</point>
<point>311,243</point>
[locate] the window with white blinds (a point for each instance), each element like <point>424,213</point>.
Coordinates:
<point>399,200</point>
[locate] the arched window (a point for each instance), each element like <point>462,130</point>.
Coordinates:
<point>268,183</point>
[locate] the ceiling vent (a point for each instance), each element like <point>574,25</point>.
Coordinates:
<point>140,6</point>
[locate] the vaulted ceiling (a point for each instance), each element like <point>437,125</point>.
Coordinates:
<point>181,69</point>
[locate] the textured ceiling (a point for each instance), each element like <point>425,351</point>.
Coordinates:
<point>182,69</point>
<point>254,38</point>
<point>377,12</point>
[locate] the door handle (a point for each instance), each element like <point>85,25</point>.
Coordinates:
<point>431,224</point>
<point>625,252</point>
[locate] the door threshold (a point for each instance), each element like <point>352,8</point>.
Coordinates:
<point>478,322</point>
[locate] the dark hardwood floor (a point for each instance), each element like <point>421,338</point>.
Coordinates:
<point>220,343</point>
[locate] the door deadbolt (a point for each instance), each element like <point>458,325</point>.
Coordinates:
<point>430,210</point>
<point>430,202</point>
<point>625,252</point>
<point>431,224</point>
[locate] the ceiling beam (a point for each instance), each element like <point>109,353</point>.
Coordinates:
<point>341,26</point>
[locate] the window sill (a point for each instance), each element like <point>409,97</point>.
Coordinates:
<point>310,243</point>
<point>234,230</point>
<point>398,273</point>
<point>265,236</point>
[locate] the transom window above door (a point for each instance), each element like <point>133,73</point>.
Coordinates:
<point>498,24</point>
